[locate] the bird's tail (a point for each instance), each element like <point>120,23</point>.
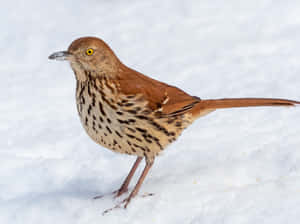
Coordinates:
<point>206,106</point>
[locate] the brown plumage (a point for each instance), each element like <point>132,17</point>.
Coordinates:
<point>128,112</point>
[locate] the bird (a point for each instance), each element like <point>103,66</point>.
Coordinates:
<point>128,112</point>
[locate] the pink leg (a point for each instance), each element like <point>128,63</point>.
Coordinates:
<point>136,188</point>
<point>139,183</point>
<point>124,187</point>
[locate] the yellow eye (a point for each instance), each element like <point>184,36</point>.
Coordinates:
<point>89,52</point>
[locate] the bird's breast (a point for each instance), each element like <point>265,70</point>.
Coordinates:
<point>122,123</point>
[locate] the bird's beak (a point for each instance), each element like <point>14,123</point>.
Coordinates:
<point>60,56</point>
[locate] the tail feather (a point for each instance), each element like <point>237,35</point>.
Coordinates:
<point>207,106</point>
<point>246,102</point>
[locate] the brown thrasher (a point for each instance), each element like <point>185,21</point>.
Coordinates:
<point>128,112</point>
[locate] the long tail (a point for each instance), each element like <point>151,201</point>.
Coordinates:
<point>206,106</point>
<point>246,102</point>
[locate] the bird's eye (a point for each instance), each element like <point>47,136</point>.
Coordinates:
<point>89,52</point>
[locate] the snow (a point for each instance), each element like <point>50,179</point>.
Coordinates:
<point>232,166</point>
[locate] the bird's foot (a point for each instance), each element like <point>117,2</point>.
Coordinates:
<point>119,192</point>
<point>123,204</point>
<point>116,193</point>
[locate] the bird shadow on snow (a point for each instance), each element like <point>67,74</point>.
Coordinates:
<point>81,189</point>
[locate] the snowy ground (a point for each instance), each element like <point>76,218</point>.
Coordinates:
<point>233,166</point>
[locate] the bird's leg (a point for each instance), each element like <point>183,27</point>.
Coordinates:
<point>139,183</point>
<point>124,187</point>
<point>136,188</point>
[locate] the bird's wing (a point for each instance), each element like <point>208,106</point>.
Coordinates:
<point>168,100</point>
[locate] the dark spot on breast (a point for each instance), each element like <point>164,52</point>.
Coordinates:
<point>140,147</point>
<point>101,108</point>
<point>178,124</point>
<point>82,100</point>
<point>89,90</point>
<point>89,109</point>
<point>171,140</point>
<point>122,121</point>
<point>156,141</point>
<point>133,137</point>
<point>119,113</point>
<point>130,136</point>
<point>138,139</point>
<point>95,86</point>
<point>108,129</point>
<point>109,104</point>
<point>141,130</point>
<point>81,90</point>
<point>128,104</point>
<point>146,138</point>
<point>172,133</point>
<point>94,101</point>
<point>131,120</point>
<point>118,134</point>
<point>161,128</point>
<point>131,129</point>
<point>108,120</point>
<point>171,120</point>
<point>141,117</point>
<point>115,142</point>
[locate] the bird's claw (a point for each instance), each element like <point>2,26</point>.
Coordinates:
<point>119,192</point>
<point>123,204</point>
<point>116,193</point>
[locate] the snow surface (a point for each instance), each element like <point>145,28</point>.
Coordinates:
<point>232,166</point>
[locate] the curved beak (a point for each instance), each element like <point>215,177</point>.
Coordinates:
<point>60,56</point>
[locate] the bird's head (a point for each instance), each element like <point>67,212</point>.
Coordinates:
<point>89,55</point>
